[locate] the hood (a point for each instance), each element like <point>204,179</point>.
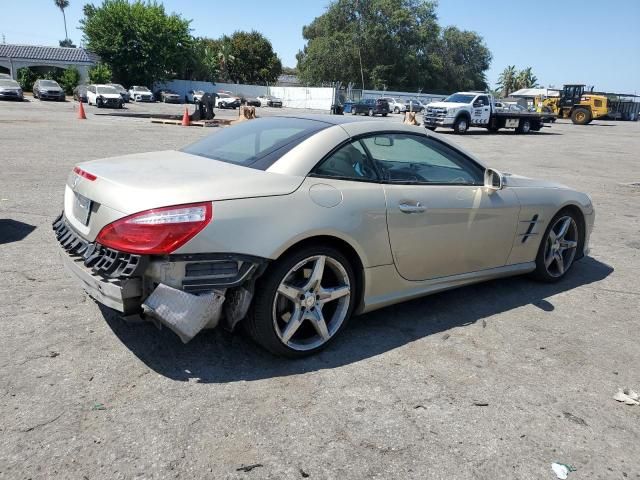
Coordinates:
<point>515,181</point>
<point>11,89</point>
<point>137,182</point>
<point>51,89</point>
<point>115,96</point>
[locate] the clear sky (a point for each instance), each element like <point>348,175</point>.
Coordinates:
<point>565,41</point>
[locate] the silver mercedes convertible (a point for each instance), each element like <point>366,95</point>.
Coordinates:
<point>289,226</point>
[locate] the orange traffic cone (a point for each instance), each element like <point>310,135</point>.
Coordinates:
<point>81,114</point>
<point>185,118</point>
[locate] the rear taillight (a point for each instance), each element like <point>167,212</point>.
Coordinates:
<point>84,174</point>
<point>159,231</point>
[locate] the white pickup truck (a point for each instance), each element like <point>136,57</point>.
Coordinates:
<point>473,109</point>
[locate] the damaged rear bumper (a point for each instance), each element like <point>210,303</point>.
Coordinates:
<point>184,292</point>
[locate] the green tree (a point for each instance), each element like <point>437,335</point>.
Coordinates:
<point>62,4</point>
<point>397,43</point>
<point>254,60</point>
<point>26,78</point>
<point>526,79</point>
<point>463,60</point>
<point>202,60</point>
<point>507,80</point>
<point>225,57</point>
<point>139,41</point>
<point>69,79</point>
<point>100,73</point>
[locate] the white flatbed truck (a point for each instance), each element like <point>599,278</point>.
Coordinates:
<point>463,110</point>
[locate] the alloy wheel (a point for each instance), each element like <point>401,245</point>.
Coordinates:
<point>560,246</point>
<point>311,302</point>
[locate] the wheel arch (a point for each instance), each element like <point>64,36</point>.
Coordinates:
<point>344,247</point>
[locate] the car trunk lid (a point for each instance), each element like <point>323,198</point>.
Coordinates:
<point>134,183</point>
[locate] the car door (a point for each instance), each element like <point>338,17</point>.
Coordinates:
<point>481,110</point>
<point>441,219</point>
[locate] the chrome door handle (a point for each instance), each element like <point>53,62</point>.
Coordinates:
<point>417,207</point>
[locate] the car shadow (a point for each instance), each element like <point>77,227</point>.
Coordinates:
<point>13,230</point>
<point>216,356</point>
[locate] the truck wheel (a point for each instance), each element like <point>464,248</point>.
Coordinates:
<point>581,116</point>
<point>396,110</point>
<point>370,112</point>
<point>524,126</point>
<point>461,125</point>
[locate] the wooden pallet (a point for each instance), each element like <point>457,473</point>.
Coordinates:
<point>195,123</point>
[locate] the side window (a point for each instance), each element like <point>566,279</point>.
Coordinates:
<point>415,159</point>
<point>350,162</point>
<point>484,100</point>
<point>597,103</point>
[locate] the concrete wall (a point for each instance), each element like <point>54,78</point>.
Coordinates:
<point>293,97</point>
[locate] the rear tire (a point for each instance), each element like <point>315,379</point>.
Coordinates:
<point>581,116</point>
<point>267,321</point>
<point>524,126</point>
<point>396,110</point>
<point>370,113</point>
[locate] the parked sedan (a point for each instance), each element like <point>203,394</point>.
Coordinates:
<point>225,100</point>
<point>10,90</point>
<point>293,225</point>
<point>122,91</point>
<point>104,96</point>
<point>168,96</point>
<point>396,105</point>
<point>270,101</point>
<point>48,90</point>
<point>80,93</point>
<point>371,107</point>
<point>194,96</point>
<point>413,105</point>
<point>251,101</point>
<point>140,94</point>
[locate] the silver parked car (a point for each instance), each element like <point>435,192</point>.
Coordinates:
<point>293,225</point>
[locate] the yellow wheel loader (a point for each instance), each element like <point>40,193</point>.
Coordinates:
<point>575,103</point>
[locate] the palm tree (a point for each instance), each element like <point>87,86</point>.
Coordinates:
<point>225,58</point>
<point>526,79</point>
<point>62,4</point>
<point>507,80</point>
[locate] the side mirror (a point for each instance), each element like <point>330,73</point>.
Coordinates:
<point>493,179</point>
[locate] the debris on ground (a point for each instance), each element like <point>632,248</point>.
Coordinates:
<point>445,336</point>
<point>630,398</point>
<point>98,406</point>
<point>248,468</point>
<point>575,419</point>
<point>561,470</point>
<point>481,404</point>
<point>53,354</point>
<point>304,474</point>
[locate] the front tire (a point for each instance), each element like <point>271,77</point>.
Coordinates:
<point>581,116</point>
<point>461,125</point>
<point>302,302</point>
<point>370,113</point>
<point>559,247</point>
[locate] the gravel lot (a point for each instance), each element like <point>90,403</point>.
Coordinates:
<point>492,381</point>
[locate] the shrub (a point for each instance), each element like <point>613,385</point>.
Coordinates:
<point>101,73</point>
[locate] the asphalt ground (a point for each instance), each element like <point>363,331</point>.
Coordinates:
<point>492,381</point>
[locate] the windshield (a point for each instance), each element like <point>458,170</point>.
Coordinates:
<point>49,83</point>
<point>256,144</point>
<point>459,98</point>
<point>107,91</point>
<point>8,83</point>
<point>118,87</point>
<point>141,89</point>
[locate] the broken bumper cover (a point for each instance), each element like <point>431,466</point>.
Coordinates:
<point>124,295</point>
<point>185,292</point>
